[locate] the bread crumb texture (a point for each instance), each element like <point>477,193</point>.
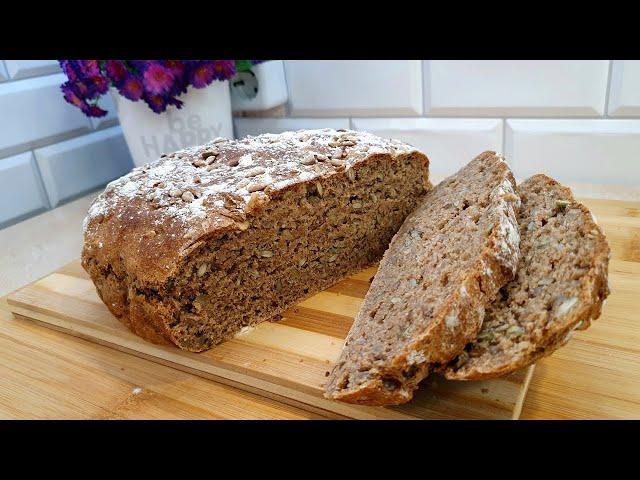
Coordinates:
<point>197,246</point>
<point>560,286</point>
<point>427,300</point>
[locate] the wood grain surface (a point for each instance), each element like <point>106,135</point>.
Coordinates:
<point>47,374</point>
<point>287,360</point>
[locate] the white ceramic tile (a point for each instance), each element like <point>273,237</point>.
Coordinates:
<point>256,126</point>
<point>33,112</point>
<point>21,192</point>
<point>624,97</point>
<point>582,151</point>
<point>78,165</point>
<point>31,68</point>
<point>448,142</point>
<point>3,72</point>
<point>516,87</point>
<point>111,118</point>
<point>354,87</point>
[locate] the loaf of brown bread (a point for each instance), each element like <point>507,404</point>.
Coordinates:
<point>194,247</point>
<point>427,300</point>
<point>560,286</point>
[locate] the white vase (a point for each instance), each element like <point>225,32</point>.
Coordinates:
<point>205,115</point>
<point>269,80</point>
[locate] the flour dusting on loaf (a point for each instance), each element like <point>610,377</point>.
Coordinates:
<point>208,240</point>
<point>239,167</point>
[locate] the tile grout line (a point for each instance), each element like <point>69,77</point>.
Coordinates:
<point>504,137</point>
<point>287,105</point>
<point>12,80</point>
<point>438,117</point>
<point>40,180</point>
<point>426,92</point>
<point>607,93</point>
<point>34,145</point>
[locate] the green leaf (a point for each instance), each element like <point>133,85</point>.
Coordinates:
<point>243,65</point>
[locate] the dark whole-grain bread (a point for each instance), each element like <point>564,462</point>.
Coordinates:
<point>205,241</point>
<point>560,286</point>
<point>427,300</point>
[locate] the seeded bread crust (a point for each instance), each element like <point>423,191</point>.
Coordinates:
<point>427,300</point>
<point>164,244</point>
<point>560,286</point>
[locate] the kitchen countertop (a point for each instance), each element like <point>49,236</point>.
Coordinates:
<point>48,374</point>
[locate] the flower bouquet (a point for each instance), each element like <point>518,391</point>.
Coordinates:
<point>163,105</point>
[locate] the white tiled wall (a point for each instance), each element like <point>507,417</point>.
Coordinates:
<point>576,120</point>
<point>31,68</point>
<point>517,88</point>
<point>448,142</point>
<point>21,192</point>
<point>624,100</point>
<point>49,151</point>
<point>256,126</point>
<point>34,111</point>
<point>563,118</point>
<point>85,157</point>
<point>583,151</point>
<point>327,88</point>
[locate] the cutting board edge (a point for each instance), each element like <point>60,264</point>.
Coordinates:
<point>257,384</point>
<point>296,398</point>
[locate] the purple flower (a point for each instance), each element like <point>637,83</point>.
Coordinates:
<point>70,95</point>
<point>90,88</point>
<point>157,82</point>
<point>156,103</point>
<point>157,78</point>
<point>179,87</point>
<point>132,88</point>
<point>79,88</point>
<point>95,111</point>
<point>202,74</point>
<point>87,68</point>
<point>67,68</point>
<point>224,69</point>
<point>175,102</point>
<point>99,84</point>
<point>138,65</point>
<point>180,80</point>
<point>176,67</point>
<point>116,70</point>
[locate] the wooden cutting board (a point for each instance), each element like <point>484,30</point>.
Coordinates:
<point>287,360</point>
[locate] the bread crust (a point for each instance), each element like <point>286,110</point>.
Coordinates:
<point>438,343</point>
<point>143,228</point>
<point>594,289</point>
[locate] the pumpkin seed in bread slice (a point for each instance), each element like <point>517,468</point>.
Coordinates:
<point>560,285</point>
<point>427,300</point>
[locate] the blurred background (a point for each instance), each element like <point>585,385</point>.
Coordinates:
<point>578,121</point>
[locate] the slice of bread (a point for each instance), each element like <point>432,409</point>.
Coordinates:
<point>560,286</point>
<point>445,264</point>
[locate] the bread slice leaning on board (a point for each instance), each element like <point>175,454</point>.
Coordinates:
<point>441,270</point>
<point>560,286</point>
